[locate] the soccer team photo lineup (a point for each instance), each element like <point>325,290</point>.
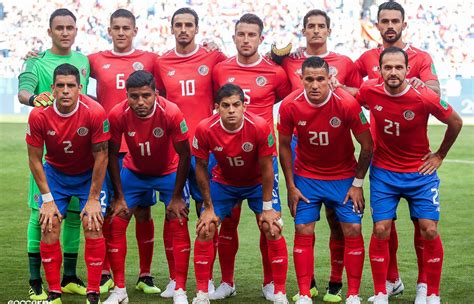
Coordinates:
<point>193,131</point>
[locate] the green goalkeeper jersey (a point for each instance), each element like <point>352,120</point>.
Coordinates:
<point>37,74</point>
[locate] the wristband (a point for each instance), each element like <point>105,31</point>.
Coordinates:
<point>358,182</point>
<point>31,100</point>
<point>267,205</point>
<point>47,197</point>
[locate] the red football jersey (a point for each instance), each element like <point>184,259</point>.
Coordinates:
<point>340,66</point>
<point>69,137</point>
<point>150,140</point>
<point>263,83</point>
<point>401,122</point>
<point>324,149</point>
<point>420,62</point>
<point>111,70</point>
<point>188,82</point>
<point>237,152</point>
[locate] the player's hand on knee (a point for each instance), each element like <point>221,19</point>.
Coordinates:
<point>273,220</point>
<point>93,213</point>
<point>206,219</point>
<point>117,207</point>
<point>48,212</point>
<point>44,99</point>
<point>178,208</point>
<point>294,196</point>
<point>432,162</point>
<point>356,194</point>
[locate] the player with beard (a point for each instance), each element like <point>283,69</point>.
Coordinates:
<point>404,167</point>
<point>391,24</point>
<point>264,83</point>
<point>111,69</point>
<point>185,77</point>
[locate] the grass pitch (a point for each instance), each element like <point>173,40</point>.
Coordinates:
<point>456,227</point>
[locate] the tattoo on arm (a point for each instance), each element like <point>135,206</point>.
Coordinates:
<point>101,146</point>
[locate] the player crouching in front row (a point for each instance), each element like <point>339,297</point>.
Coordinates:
<point>75,131</point>
<point>241,143</point>
<point>158,160</point>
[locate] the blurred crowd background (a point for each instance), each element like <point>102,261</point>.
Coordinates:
<point>443,28</point>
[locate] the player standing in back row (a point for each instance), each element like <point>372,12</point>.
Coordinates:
<point>264,83</point>
<point>404,166</point>
<point>185,77</point>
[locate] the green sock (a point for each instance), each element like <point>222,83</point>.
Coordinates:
<point>70,240</point>
<point>70,263</point>
<point>33,239</point>
<point>34,262</point>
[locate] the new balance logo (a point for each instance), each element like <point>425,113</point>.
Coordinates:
<point>297,250</point>
<point>225,237</point>
<point>106,66</point>
<point>171,73</point>
<point>302,123</point>
<point>95,264</point>
<point>435,260</point>
<point>353,253</point>
<point>185,249</point>
<point>378,108</point>
<point>379,260</point>
<point>149,241</point>
<point>218,149</point>
<point>168,248</point>
<point>340,262</point>
<point>279,261</point>
<point>202,262</point>
<point>52,133</point>
<point>131,134</point>
<point>113,250</point>
<point>46,260</point>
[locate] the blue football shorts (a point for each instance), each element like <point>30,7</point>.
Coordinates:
<point>330,192</point>
<point>388,187</point>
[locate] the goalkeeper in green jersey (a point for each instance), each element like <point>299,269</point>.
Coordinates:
<point>34,89</point>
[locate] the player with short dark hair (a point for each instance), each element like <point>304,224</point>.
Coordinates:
<point>264,83</point>
<point>156,133</point>
<point>243,146</point>
<point>75,131</point>
<point>185,78</point>
<point>34,89</point>
<point>325,170</point>
<point>111,70</point>
<point>404,166</point>
<point>316,30</point>
<point>391,23</point>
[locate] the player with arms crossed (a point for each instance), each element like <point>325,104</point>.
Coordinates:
<point>403,165</point>
<point>243,146</point>
<point>111,69</point>
<point>263,83</point>
<point>156,133</point>
<point>34,87</point>
<point>75,131</point>
<point>391,24</point>
<point>344,74</point>
<point>185,78</point>
<point>325,170</point>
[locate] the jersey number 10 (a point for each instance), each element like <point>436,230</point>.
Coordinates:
<point>188,87</point>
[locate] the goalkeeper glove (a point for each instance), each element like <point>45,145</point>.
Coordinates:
<point>41,100</point>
